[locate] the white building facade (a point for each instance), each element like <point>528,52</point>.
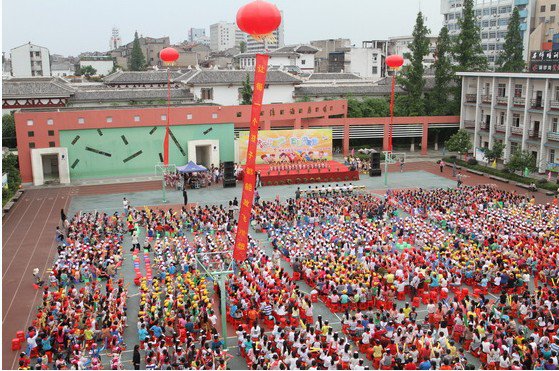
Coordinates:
<point>103,65</point>
<point>225,36</point>
<point>520,110</point>
<point>492,19</point>
<point>401,45</point>
<point>301,57</point>
<point>30,60</point>
<point>367,63</point>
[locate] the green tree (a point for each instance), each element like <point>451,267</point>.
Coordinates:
<point>10,166</point>
<point>354,108</point>
<point>439,97</point>
<point>521,160</point>
<point>304,98</point>
<point>411,78</point>
<point>510,59</point>
<point>494,153</point>
<point>375,107</point>
<point>137,58</point>
<point>9,131</point>
<point>246,92</point>
<point>468,53</point>
<point>459,142</point>
<point>243,46</point>
<point>87,71</point>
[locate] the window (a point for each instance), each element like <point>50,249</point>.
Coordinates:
<point>542,8</point>
<point>303,61</point>
<point>503,21</point>
<point>555,125</point>
<point>502,118</point>
<point>51,133</point>
<point>478,13</point>
<point>50,122</point>
<point>557,93</point>
<point>52,144</point>
<point>375,70</point>
<point>487,88</point>
<point>552,156</point>
<point>492,35</point>
<point>502,10</point>
<point>542,19</point>
<point>31,144</point>
<point>189,116</point>
<point>516,120</point>
<point>30,134</point>
<point>552,20</point>
<point>552,7</point>
<point>491,58</point>
<point>136,118</point>
<point>81,120</point>
<point>491,46</point>
<point>214,115</point>
<point>493,22</point>
<point>109,119</point>
<point>29,122</point>
<point>501,90</point>
<point>485,24</point>
<point>486,11</point>
<point>484,46</point>
<point>493,11</point>
<point>484,35</point>
<point>518,90</point>
<point>207,93</point>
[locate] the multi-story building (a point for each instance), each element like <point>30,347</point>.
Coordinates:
<point>196,34</point>
<point>520,110</point>
<point>365,62</point>
<point>30,60</point>
<point>225,36</point>
<point>544,25</point>
<point>492,19</point>
<point>325,48</point>
<point>103,65</point>
<point>401,45</point>
<point>150,48</point>
<point>254,46</point>
<point>300,57</point>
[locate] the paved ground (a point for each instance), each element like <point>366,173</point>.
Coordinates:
<point>28,233</point>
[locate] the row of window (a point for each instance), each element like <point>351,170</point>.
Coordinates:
<point>552,8</point>
<point>492,47</point>
<point>31,133</point>
<point>32,144</point>
<point>493,35</point>
<point>494,10</point>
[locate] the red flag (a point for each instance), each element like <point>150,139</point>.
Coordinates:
<point>241,240</point>
<point>166,147</point>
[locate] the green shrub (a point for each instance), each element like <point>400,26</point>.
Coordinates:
<point>472,161</point>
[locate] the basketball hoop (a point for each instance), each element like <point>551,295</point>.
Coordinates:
<point>162,170</point>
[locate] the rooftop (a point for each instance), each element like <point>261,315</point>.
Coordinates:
<point>139,77</point>
<point>221,77</point>
<point>36,87</point>
<point>334,76</point>
<point>343,90</point>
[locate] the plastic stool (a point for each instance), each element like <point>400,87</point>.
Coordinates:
<point>16,345</point>
<point>416,302</point>
<point>21,336</point>
<point>314,298</point>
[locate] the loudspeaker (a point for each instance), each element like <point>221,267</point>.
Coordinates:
<point>374,172</point>
<point>229,182</point>
<point>228,170</point>
<point>375,160</point>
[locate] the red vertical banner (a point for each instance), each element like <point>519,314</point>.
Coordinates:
<point>249,179</point>
<point>166,147</point>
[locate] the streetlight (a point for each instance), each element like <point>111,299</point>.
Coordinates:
<point>394,62</point>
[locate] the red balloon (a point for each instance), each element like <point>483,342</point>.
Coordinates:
<point>394,61</point>
<point>258,18</point>
<point>169,55</point>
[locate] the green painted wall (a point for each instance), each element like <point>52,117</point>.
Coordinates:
<point>85,163</point>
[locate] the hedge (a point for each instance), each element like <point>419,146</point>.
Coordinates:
<point>503,174</point>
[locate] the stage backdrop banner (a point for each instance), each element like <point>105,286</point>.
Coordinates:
<point>289,145</point>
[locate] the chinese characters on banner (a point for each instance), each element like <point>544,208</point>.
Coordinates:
<point>241,240</point>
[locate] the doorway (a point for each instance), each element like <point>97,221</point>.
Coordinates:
<point>539,97</point>
<point>203,155</point>
<point>536,129</point>
<point>50,168</point>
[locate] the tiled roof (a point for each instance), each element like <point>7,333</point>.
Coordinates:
<point>116,94</point>
<point>221,77</point>
<point>139,77</point>
<point>342,90</point>
<point>36,87</point>
<point>334,76</point>
<point>300,48</point>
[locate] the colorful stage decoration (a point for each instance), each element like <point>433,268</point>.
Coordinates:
<point>289,146</point>
<point>168,56</point>
<point>258,19</point>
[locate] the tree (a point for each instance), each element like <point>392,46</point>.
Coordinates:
<point>354,108</point>
<point>87,71</point>
<point>459,142</point>
<point>521,160</point>
<point>10,166</point>
<point>494,153</point>
<point>375,107</point>
<point>246,92</point>
<point>243,46</point>
<point>412,75</point>
<point>9,131</point>
<point>137,58</point>
<point>468,53</point>
<point>510,59</point>
<point>439,101</point>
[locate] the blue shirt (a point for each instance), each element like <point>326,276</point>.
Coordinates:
<point>143,334</point>
<point>156,331</point>
<point>425,365</point>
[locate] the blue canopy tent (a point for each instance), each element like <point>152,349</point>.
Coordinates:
<point>191,167</point>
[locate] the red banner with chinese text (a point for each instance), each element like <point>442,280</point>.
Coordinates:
<point>249,179</point>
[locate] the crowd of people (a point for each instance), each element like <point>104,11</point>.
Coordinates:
<point>482,261</point>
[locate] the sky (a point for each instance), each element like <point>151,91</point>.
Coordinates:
<point>69,27</point>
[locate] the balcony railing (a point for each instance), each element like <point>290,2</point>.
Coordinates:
<point>536,103</point>
<point>486,98</point>
<point>470,98</point>
<point>554,104</point>
<point>500,128</point>
<point>517,130</point>
<point>484,126</point>
<point>518,101</point>
<point>469,124</point>
<point>551,135</point>
<point>502,100</point>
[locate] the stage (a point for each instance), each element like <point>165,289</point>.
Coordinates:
<point>332,172</point>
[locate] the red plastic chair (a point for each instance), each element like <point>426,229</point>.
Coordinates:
<point>21,336</point>
<point>296,276</point>
<point>16,345</point>
<point>425,298</point>
<point>416,302</point>
<point>314,298</point>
